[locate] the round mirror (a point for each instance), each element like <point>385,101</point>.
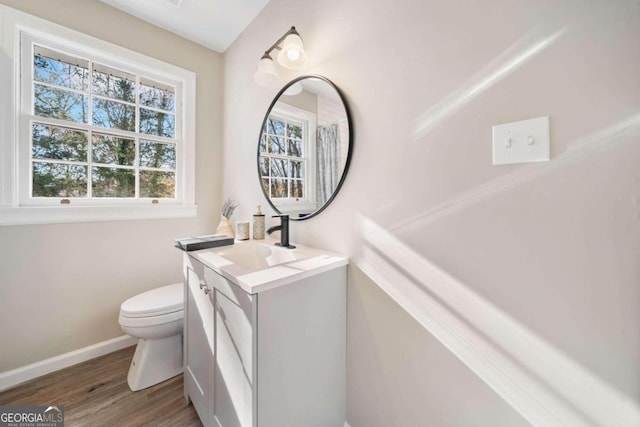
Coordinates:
<point>304,147</point>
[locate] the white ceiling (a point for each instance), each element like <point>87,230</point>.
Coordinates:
<point>212,23</point>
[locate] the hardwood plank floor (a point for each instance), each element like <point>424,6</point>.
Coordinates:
<point>95,393</point>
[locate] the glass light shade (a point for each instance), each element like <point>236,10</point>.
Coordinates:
<point>267,75</point>
<point>294,89</point>
<point>292,54</point>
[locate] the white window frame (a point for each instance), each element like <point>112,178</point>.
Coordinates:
<point>287,204</point>
<point>18,31</point>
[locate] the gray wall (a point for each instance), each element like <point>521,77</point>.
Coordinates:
<point>553,246</point>
<point>61,285</point>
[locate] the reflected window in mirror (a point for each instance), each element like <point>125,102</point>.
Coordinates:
<point>286,158</point>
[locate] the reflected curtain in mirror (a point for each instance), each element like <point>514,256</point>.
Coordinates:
<point>328,161</point>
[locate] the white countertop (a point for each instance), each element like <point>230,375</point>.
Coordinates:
<point>259,265</point>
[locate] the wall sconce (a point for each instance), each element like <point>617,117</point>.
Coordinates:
<point>291,56</point>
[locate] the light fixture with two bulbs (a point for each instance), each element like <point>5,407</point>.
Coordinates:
<point>291,56</point>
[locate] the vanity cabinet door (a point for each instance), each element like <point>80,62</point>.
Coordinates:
<point>235,373</point>
<point>199,346</point>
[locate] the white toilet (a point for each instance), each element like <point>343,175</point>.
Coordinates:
<point>155,318</point>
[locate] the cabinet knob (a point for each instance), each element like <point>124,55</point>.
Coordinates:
<point>202,284</point>
<point>207,290</point>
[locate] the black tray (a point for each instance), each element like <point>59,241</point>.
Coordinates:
<point>203,242</point>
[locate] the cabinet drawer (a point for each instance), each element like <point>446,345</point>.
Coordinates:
<point>227,288</point>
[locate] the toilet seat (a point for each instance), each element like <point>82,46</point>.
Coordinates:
<point>157,302</point>
<point>141,322</point>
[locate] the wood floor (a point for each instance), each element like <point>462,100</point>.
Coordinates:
<point>95,393</point>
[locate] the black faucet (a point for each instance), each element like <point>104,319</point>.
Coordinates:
<point>284,231</point>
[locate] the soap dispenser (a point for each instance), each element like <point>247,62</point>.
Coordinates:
<point>258,224</point>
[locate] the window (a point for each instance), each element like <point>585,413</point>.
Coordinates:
<point>99,132</point>
<point>93,125</point>
<point>286,160</point>
<point>283,157</point>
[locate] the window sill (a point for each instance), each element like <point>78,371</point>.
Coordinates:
<point>71,214</point>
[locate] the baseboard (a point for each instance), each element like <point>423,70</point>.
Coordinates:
<point>17,376</point>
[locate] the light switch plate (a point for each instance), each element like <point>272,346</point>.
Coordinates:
<point>521,142</point>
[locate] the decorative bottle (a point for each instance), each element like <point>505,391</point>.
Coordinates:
<point>258,224</point>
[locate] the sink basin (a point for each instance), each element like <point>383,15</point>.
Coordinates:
<point>257,266</point>
<point>257,256</point>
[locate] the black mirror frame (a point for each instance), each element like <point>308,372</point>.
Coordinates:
<point>349,154</point>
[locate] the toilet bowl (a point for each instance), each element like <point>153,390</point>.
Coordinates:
<point>155,318</point>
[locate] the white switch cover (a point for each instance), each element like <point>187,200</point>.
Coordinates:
<point>521,142</point>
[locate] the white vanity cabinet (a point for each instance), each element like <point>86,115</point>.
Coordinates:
<point>279,354</point>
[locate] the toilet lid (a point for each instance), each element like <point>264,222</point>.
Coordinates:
<point>164,300</point>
